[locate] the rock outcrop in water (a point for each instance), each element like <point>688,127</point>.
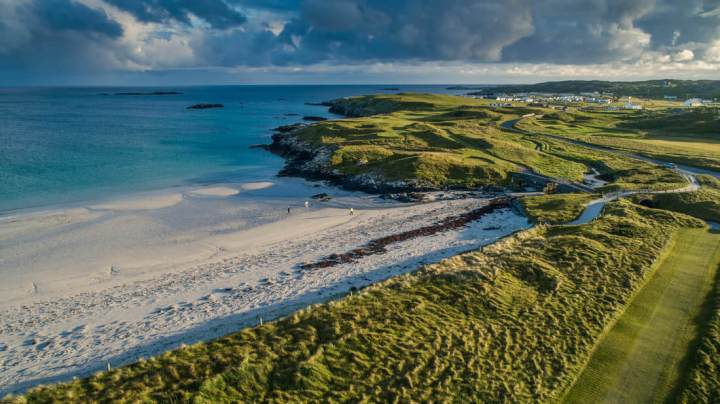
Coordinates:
<point>314,118</point>
<point>149,93</point>
<point>205,106</point>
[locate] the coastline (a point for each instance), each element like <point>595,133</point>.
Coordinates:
<point>108,282</point>
<point>121,279</point>
<point>165,216</point>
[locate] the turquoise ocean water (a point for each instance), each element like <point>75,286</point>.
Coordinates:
<point>64,145</point>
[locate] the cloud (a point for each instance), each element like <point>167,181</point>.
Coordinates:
<point>684,55</point>
<point>90,36</point>
<point>23,22</point>
<point>68,15</point>
<point>583,32</point>
<point>363,30</point>
<point>54,37</point>
<point>217,13</point>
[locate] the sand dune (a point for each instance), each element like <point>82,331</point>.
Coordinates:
<point>131,283</point>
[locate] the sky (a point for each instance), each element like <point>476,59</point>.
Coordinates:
<point>172,42</point>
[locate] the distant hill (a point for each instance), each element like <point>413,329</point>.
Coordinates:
<point>651,88</point>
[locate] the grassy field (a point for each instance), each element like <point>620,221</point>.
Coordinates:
<point>683,136</point>
<point>560,208</point>
<point>515,322</point>
<point>512,323</point>
<point>703,204</point>
<point>640,360</point>
<point>444,141</point>
<point>437,140</point>
<point>702,384</point>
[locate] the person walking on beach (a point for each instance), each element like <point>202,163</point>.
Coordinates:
<point>288,210</point>
<point>307,204</point>
<point>352,211</point>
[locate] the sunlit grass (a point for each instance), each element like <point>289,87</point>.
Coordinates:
<point>440,141</point>
<point>514,323</point>
<point>560,208</point>
<point>682,136</point>
<point>640,359</point>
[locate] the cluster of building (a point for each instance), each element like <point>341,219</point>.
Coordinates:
<point>547,100</point>
<point>698,102</point>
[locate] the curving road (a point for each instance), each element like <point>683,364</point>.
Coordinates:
<point>595,207</point>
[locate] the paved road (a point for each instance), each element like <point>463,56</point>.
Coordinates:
<point>594,207</point>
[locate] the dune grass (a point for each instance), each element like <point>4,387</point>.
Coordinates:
<point>515,322</point>
<point>621,173</point>
<point>512,323</point>
<point>436,140</point>
<point>640,359</point>
<point>681,136</point>
<point>703,203</point>
<point>702,384</point>
<point>559,208</point>
<point>446,141</point>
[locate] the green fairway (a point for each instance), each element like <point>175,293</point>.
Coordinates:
<point>639,360</point>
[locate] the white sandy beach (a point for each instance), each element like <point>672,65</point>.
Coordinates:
<point>117,280</point>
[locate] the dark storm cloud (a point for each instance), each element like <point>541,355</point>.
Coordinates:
<point>71,16</point>
<point>277,5</point>
<point>349,31</point>
<point>69,34</point>
<point>549,31</point>
<point>429,30</point>
<point>695,21</point>
<point>217,13</point>
<point>37,37</point>
<point>591,31</point>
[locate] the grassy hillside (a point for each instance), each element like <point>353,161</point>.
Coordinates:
<point>683,123</point>
<point>512,323</point>
<point>561,208</point>
<point>702,384</point>
<point>703,204</point>
<point>640,360</point>
<point>650,88</point>
<point>687,137</point>
<point>443,141</point>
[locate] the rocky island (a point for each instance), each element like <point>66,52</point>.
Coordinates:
<point>205,106</point>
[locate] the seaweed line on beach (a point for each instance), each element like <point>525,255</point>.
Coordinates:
<point>378,246</point>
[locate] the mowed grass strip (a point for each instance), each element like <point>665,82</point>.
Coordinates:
<point>640,358</point>
<point>702,384</point>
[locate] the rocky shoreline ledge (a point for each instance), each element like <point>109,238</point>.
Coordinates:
<point>312,162</point>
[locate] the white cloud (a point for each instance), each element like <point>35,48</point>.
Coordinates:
<point>684,55</point>
<point>712,54</point>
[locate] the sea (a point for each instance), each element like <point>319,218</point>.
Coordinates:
<point>69,145</point>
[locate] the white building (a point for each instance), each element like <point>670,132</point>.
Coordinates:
<point>630,105</point>
<point>693,102</point>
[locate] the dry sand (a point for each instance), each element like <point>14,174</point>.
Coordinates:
<point>120,280</point>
